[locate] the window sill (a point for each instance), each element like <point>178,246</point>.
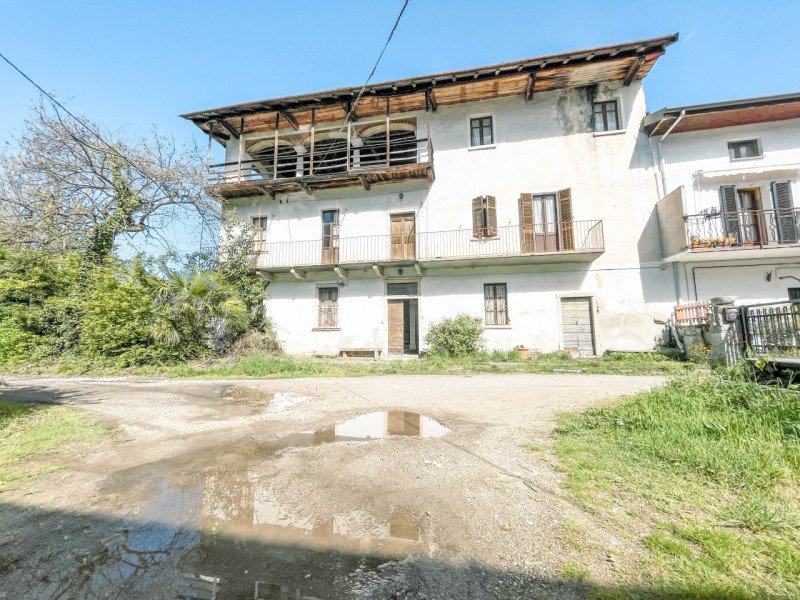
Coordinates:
<point>613,132</point>
<point>746,158</point>
<point>485,239</point>
<point>497,326</point>
<point>326,329</point>
<point>483,147</point>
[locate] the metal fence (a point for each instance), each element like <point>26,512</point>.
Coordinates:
<point>772,326</point>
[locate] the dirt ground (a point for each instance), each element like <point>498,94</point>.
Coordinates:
<point>377,487</point>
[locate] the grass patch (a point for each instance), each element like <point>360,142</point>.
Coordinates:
<point>710,465</point>
<point>28,432</point>
<point>262,365</point>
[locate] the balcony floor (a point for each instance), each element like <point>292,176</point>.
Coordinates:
<point>737,253</point>
<point>365,178</point>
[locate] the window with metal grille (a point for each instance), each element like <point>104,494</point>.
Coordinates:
<point>744,149</point>
<point>495,303</point>
<point>328,311</point>
<point>481,132</point>
<point>606,115</point>
<point>406,288</point>
<point>794,294</point>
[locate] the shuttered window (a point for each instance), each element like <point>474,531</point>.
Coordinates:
<point>606,116</point>
<point>328,311</point>
<point>480,131</point>
<point>260,228</point>
<point>484,217</point>
<point>495,303</point>
<point>785,213</point>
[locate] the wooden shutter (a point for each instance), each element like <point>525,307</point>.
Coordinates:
<point>491,216</point>
<point>730,212</point>
<point>565,220</point>
<point>784,212</point>
<point>526,222</point>
<point>478,224</point>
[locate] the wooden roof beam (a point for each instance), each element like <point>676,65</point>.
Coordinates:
<point>290,119</point>
<point>349,109</point>
<point>633,70</point>
<point>363,179</point>
<point>305,187</point>
<point>430,100</point>
<point>529,87</point>
<point>228,127</point>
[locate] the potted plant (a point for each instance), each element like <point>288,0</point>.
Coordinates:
<point>524,353</point>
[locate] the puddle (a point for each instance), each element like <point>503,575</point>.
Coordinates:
<point>213,526</point>
<point>373,426</point>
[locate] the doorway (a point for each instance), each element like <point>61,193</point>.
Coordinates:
<point>403,326</point>
<point>577,326</point>
<point>545,223</point>
<point>403,236</point>
<point>750,215</point>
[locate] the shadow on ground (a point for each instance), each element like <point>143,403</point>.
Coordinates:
<point>53,554</point>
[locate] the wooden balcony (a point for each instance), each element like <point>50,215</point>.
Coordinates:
<point>568,241</point>
<point>360,154</point>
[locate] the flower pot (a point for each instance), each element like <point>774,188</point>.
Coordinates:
<point>524,353</point>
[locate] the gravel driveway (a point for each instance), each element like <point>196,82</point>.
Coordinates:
<point>373,487</point>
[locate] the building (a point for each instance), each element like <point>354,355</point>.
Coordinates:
<point>521,193</point>
<point>728,173</point>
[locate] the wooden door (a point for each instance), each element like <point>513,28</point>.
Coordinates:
<point>750,215</point>
<point>396,323</point>
<point>403,237</point>
<point>330,237</point>
<point>577,325</point>
<point>545,223</point>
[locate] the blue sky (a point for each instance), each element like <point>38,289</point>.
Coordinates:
<point>134,64</point>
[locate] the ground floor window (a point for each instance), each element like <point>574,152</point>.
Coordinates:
<point>794,294</point>
<point>495,303</point>
<point>328,310</point>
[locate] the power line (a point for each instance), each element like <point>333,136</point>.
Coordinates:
<point>375,66</point>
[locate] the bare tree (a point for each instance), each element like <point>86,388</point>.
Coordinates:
<point>73,185</point>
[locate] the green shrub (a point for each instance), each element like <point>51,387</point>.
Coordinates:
<point>459,336</point>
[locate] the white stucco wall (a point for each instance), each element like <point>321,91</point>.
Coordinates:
<point>540,146</point>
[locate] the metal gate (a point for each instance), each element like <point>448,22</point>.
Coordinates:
<point>772,326</point>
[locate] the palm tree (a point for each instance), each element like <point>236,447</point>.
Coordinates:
<point>195,306</point>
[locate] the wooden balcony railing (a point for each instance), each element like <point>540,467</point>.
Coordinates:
<point>714,230</point>
<point>553,238</point>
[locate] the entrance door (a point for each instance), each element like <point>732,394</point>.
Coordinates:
<point>402,320</point>
<point>403,237</point>
<point>330,237</point>
<point>577,325</point>
<point>750,211</point>
<point>545,223</point>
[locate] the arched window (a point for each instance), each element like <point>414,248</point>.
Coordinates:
<point>264,154</point>
<point>330,155</point>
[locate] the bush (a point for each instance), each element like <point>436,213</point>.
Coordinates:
<point>459,336</point>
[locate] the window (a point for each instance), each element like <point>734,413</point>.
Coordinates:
<point>328,311</point>
<point>744,149</point>
<point>408,288</point>
<point>330,237</point>
<point>480,130</point>
<point>495,303</point>
<point>794,294</point>
<point>606,116</point>
<point>260,227</point>
<point>484,217</point>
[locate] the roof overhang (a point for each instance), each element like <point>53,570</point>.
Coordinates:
<point>715,115</point>
<point>626,62</point>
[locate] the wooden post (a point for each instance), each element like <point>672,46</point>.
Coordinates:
<point>208,154</point>
<point>387,132</point>
<point>241,149</point>
<point>347,158</point>
<point>313,127</point>
<point>275,153</point>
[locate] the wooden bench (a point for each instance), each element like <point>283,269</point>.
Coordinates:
<point>348,352</point>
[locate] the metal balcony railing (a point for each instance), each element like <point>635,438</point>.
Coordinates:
<point>508,241</point>
<point>742,229</point>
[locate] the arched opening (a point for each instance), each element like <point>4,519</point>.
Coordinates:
<point>330,155</point>
<point>402,148</point>
<point>264,155</point>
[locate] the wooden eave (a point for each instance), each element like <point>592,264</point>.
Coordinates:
<point>622,62</point>
<point>724,114</point>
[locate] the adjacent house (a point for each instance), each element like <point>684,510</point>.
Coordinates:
<point>521,193</point>
<point>728,174</point>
